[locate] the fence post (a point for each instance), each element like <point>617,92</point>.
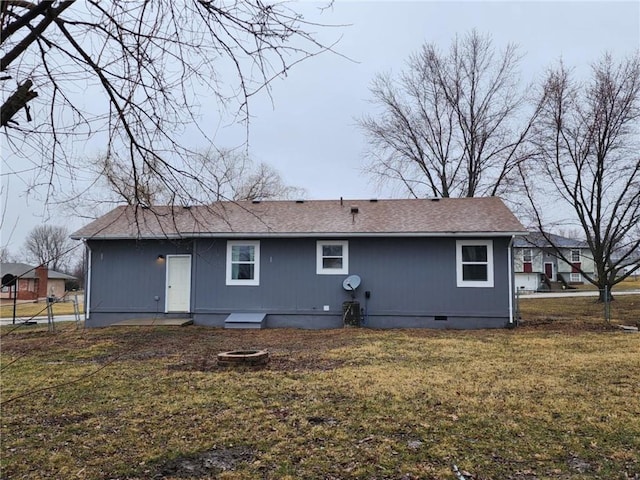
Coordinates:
<point>607,305</point>
<point>76,311</point>
<point>51,325</point>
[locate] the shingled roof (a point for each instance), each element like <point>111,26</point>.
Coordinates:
<point>23,270</point>
<point>540,240</point>
<point>318,218</point>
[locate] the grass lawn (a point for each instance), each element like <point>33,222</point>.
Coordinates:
<point>31,309</point>
<point>576,311</point>
<point>553,399</point>
<point>630,283</point>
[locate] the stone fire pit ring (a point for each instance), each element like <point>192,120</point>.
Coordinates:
<point>240,358</point>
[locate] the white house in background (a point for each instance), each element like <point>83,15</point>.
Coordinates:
<point>538,266</point>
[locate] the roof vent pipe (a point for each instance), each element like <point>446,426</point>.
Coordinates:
<point>354,210</point>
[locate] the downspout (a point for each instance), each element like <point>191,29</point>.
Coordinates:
<point>87,287</point>
<point>511,292</point>
<point>194,266</point>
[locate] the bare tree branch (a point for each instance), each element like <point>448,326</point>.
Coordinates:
<point>452,123</point>
<point>49,245</point>
<point>587,146</point>
<point>135,75</point>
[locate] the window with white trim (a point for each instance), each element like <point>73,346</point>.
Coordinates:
<point>575,255</point>
<point>575,277</point>
<point>243,262</point>
<point>474,263</point>
<point>527,255</point>
<point>332,257</point>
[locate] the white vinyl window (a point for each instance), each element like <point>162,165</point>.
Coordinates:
<point>243,262</point>
<point>332,257</point>
<point>575,255</point>
<point>576,277</point>
<point>527,255</point>
<point>474,263</point>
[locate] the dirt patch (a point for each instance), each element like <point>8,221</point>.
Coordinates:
<point>278,362</point>
<point>207,464</point>
<point>65,419</point>
<point>561,325</point>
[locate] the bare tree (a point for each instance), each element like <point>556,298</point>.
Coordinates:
<point>49,245</point>
<point>222,174</point>
<point>588,143</point>
<point>233,175</point>
<point>134,74</point>
<point>6,256</point>
<point>450,124</point>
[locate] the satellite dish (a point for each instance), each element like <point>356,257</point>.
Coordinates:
<point>9,280</point>
<point>351,283</point>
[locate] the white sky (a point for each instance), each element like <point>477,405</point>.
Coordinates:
<point>308,132</point>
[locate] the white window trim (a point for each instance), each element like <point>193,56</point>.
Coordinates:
<point>527,252</point>
<point>579,254</point>
<point>575,277</point>
<point>256,262</point>
<point>488,283</point>
<point>345,258</point>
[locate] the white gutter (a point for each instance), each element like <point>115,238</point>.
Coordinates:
<point>247,235</point>
<point>510,271</point>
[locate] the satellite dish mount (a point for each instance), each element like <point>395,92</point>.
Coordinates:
<point>351,283</point>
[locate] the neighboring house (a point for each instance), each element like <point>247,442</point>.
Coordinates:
<point>538,266</point>
<point>438,263</point>
<point>32,282</point>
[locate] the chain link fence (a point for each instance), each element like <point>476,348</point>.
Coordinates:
<point>619,307</point>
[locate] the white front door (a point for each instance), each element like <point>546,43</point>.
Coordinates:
<point>178,283</point>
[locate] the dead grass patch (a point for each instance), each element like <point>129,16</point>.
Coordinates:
<point>533,403</point>
<point>579,313</point>
<point>37,309</point>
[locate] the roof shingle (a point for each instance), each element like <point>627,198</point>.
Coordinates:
<point>309,218</point>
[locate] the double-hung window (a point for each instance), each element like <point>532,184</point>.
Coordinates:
<point>243,262</point>
<point>576,276</point>
<point>332,257</point>
<point>527,260</point>
<point>474,263</point>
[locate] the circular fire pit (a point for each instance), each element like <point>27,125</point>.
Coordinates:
<point>238,358</point>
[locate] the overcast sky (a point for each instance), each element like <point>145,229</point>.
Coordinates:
<point>308,131</point>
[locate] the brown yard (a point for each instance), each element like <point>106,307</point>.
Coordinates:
<point>557,398</point>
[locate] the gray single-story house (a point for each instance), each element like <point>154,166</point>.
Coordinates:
<point>436,263</point>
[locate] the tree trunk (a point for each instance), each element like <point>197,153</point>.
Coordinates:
<point>605,294</point>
